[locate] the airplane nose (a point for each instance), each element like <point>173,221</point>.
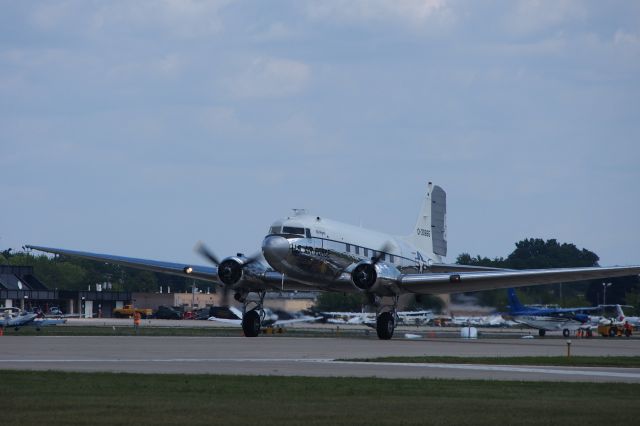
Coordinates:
<point>275,248</point>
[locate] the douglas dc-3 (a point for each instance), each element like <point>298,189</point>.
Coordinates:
<point>308,252</point>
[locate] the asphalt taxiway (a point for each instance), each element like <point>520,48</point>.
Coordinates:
<point>290,356</point>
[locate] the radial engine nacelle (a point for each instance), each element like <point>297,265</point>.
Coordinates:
<point>236,268</point>
<point>379,278</point>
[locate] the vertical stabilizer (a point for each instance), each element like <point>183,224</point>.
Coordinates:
<point>430,232</point>
<point>514,302</point>
<point>620,313</point>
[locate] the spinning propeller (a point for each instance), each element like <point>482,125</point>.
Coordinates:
<point>229,269</point>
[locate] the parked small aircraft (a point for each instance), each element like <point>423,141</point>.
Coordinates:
<point>13,317</point>
<point>310,252</point>
<point>233,315</point>
<point>369,318</point>
<point>634,321</point>
<point>549,319</point>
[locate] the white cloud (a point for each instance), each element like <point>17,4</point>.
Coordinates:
<point>623,38</point>
<point>413,12</point>
<point>529,16</point>
<point>176,18</point>
<point>276,31</point>
<point>271,77</point>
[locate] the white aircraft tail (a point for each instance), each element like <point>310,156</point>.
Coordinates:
<point>430,232</point>
<point>620,313</point>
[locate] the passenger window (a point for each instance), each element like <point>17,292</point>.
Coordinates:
<point>348,248</point>
<point>391,258</point>
<point>307,232</point>
<point>366,252</point>
<point>357,249</point>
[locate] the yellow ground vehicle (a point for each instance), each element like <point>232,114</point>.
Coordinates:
<point>613,329</point>
<point>128,311</point>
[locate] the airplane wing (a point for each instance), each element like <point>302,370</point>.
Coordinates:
<point>226,320</point>
<point>543,311</point>
<point>442,283</point>
<point>296,320</point>
<point>206,273</point>
<point>448,267</point>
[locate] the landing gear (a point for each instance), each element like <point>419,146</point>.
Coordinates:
<point>566,332</point>
<point>386,320</point>
<point>542,332</point>
<point>385,326</point>
<point>251,324</point>
<point>252,318</point>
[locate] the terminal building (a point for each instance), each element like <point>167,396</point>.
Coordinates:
<point>20,288</point>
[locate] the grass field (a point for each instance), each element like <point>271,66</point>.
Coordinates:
<point>574,361</point>
<point>53,398</point>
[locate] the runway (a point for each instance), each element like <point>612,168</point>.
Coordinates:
<point>289,356</point>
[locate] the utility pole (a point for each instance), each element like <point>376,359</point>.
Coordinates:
<point>604,292</point>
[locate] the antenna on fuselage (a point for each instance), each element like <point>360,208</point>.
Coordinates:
<point>299,212</point>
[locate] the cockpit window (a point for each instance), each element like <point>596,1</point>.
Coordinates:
<point>292,230</point>
<point>274,229</point>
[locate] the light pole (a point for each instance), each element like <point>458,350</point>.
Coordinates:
<point>604,292</point>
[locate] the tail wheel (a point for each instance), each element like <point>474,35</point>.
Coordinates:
<point>251,324</point>
<point>542,332</point>
<point>566,332</point>
<point>385,326</point>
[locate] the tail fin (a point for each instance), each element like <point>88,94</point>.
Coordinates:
<point>619,313</point>
<point>430,232</point>
<point>514,302</point>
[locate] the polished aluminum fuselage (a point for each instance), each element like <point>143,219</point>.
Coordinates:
<point>325,250</point>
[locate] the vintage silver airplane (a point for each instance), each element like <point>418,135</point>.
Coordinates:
<point>308,252</point>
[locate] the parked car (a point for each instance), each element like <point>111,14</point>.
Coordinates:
<point>166,312</point>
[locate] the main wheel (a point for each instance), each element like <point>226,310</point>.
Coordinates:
<point>542,332</point>
<point>251,324</point>
<point>613,331</point>
<point>566,332</point>
<point>385,326</point>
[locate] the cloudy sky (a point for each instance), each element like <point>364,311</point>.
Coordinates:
<point>141,127</point>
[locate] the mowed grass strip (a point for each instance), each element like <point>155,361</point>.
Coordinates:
<point>58,398</point>
<point>561,361</point>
